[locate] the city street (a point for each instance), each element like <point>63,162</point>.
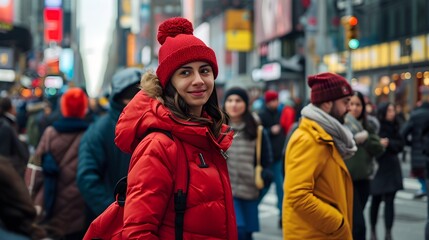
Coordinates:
<point>410,215</point>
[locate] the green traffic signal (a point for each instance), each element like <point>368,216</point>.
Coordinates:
<point>353,43</point>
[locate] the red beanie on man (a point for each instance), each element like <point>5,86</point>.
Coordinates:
<point>74,103</point>
<point>271,95</point>
<point>327,87</point>
<point>179,47</point>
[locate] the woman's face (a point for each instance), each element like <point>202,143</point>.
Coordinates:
<point>390,113</point>
<point>235,107</point>
<point>356,107</point>
<point>194,82</point>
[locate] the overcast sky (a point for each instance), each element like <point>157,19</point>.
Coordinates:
<point>96,20</point>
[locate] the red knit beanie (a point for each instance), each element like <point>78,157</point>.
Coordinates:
<point>74,103</point>
<point>327,87</point>
<point>180,47</point>
<point>271,95</point>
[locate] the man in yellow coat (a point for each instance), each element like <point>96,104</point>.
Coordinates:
<point>318,190</point>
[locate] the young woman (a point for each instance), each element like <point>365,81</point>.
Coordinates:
<point>241,163</point>
<point>179,99</point>
<point>388,179</point>
<point>361,164</point>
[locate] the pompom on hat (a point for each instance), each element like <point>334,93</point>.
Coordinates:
<point>179,47</point>
<point>327,87</point>
<point>74,103</point>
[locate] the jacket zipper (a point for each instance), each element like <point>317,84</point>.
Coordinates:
<point>203,163</point>
<point>224,154</point>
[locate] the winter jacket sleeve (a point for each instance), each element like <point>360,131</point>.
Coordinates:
<point>150,187</point>
<point>90,170</point>
<point>305,162</point>
<point>373,146</point>
<point>405,131</point>
<point>396,145</point>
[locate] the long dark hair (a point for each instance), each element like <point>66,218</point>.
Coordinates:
<point>362,117</point>
<point>180,109</point>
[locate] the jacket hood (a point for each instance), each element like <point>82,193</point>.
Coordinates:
<point>144,113</point>
<point>123,79</point>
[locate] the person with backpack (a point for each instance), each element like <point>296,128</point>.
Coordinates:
<point>180,99</point>
<point>58,200</point>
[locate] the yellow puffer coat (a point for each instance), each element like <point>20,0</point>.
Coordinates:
<point>318,189</point>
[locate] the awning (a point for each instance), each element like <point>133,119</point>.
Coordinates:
<point>19,37</point>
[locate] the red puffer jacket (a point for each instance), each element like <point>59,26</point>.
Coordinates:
<point>149,210</point>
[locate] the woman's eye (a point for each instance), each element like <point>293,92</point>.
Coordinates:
<point>205,70</point>
<point>185,72</point>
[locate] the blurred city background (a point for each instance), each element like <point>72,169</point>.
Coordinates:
<point>381,46</point>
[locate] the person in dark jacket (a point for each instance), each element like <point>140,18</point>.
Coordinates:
<point>388,178</point>
<point>241,162</point>
<point>361,166</point>
<point>270,119</point>
<point>17,214</point>
<point>101,162</point>
<point>412,134</point>
<point>416,127</point>
<point>11,146</point>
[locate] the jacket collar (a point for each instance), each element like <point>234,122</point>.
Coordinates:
<point>322,137</point>
<point>144,113</point>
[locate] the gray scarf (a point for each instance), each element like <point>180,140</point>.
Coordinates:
<point>342,136</point>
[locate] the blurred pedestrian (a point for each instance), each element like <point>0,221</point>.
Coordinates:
<point>415,128</point>
<point>241,162</point>
<point>361,165</point>
<point>17,214</point>
<point>62,205</point>
<point>288,116</point>
<point>318,187</point>
<point>412,134</point>
<point>270,119</point>
<point>11,146</point>
<point>180,99</point>
<point>8,112</point>
<point>101,162</point>
<point>388,178</point>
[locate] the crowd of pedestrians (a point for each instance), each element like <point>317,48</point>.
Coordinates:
<point>325,161</point>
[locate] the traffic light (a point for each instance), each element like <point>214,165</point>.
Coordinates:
<point>351,31</point>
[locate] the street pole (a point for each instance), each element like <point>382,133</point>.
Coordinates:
<point>322,32</point>
<point>349,73</point>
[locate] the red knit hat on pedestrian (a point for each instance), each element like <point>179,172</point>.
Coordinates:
<point>74,103</point>
<point>271,95</point>
<point>327,87</point>
<point>179,47</point>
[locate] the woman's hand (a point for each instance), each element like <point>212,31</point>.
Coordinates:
<point>361,137</point>
<point>384,142</point>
